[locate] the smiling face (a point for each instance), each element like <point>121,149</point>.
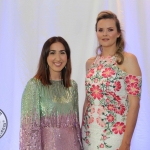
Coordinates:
<point>57,58</point>
<point>107,33</point>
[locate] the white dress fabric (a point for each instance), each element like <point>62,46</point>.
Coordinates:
<point>107,89</point>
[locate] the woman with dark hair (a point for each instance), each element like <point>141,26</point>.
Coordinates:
<point>49,114</point>
<point>113,89</point>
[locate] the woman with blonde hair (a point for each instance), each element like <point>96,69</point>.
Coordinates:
<point>113,89</point>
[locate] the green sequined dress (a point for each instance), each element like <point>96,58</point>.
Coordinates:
<point>49,117</point>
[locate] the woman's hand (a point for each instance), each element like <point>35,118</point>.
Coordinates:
<point>124,146</point>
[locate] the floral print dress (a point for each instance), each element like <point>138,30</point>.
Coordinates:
<point>107,89</point>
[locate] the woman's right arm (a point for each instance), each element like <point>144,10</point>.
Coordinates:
<point>30,135</point>
<point>84,107</point>
<point>88,65</point>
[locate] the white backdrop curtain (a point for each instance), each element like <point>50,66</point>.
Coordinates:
<point>26,24</point>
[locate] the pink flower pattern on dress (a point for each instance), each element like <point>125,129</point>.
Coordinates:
<point>91,120</point>
<point>101,145</point>
<point>96,92</point>
<point>100,122</point>
<point>87,133</point>
<point>117,85</point>
<point>120,109</point>
<point>131,79</point>
<point>87,141</point>
<point>92,109</point>
<point>100,110</point>
<point>90,73</point>
<point>119,128</point>
<point>100,67</point>
<point>133,89</point>
<point>108,102</point>
<point>108,72</point>
<point>133,85</point>
<point>110,118</point>
<point>110,107</point>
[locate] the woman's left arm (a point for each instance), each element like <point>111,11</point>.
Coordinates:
<point>133,90</point>
<point>77,114</point>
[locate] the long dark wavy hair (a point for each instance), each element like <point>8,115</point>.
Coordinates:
<point>43,73</point>
<point>120,43</point>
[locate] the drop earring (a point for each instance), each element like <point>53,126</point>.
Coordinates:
<point>47,66</point>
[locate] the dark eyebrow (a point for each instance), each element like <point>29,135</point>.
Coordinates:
<point>55,50</point>
<point>110,27</point>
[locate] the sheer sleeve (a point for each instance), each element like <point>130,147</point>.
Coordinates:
<point>77,114</point>
<point>133,85</point>
<point>30,135</point>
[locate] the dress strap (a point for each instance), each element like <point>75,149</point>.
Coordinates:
<point>96,59</point>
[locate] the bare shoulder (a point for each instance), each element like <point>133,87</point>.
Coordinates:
<point>129,57</point>
<point>131,64</point>
<point>89,62</point>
